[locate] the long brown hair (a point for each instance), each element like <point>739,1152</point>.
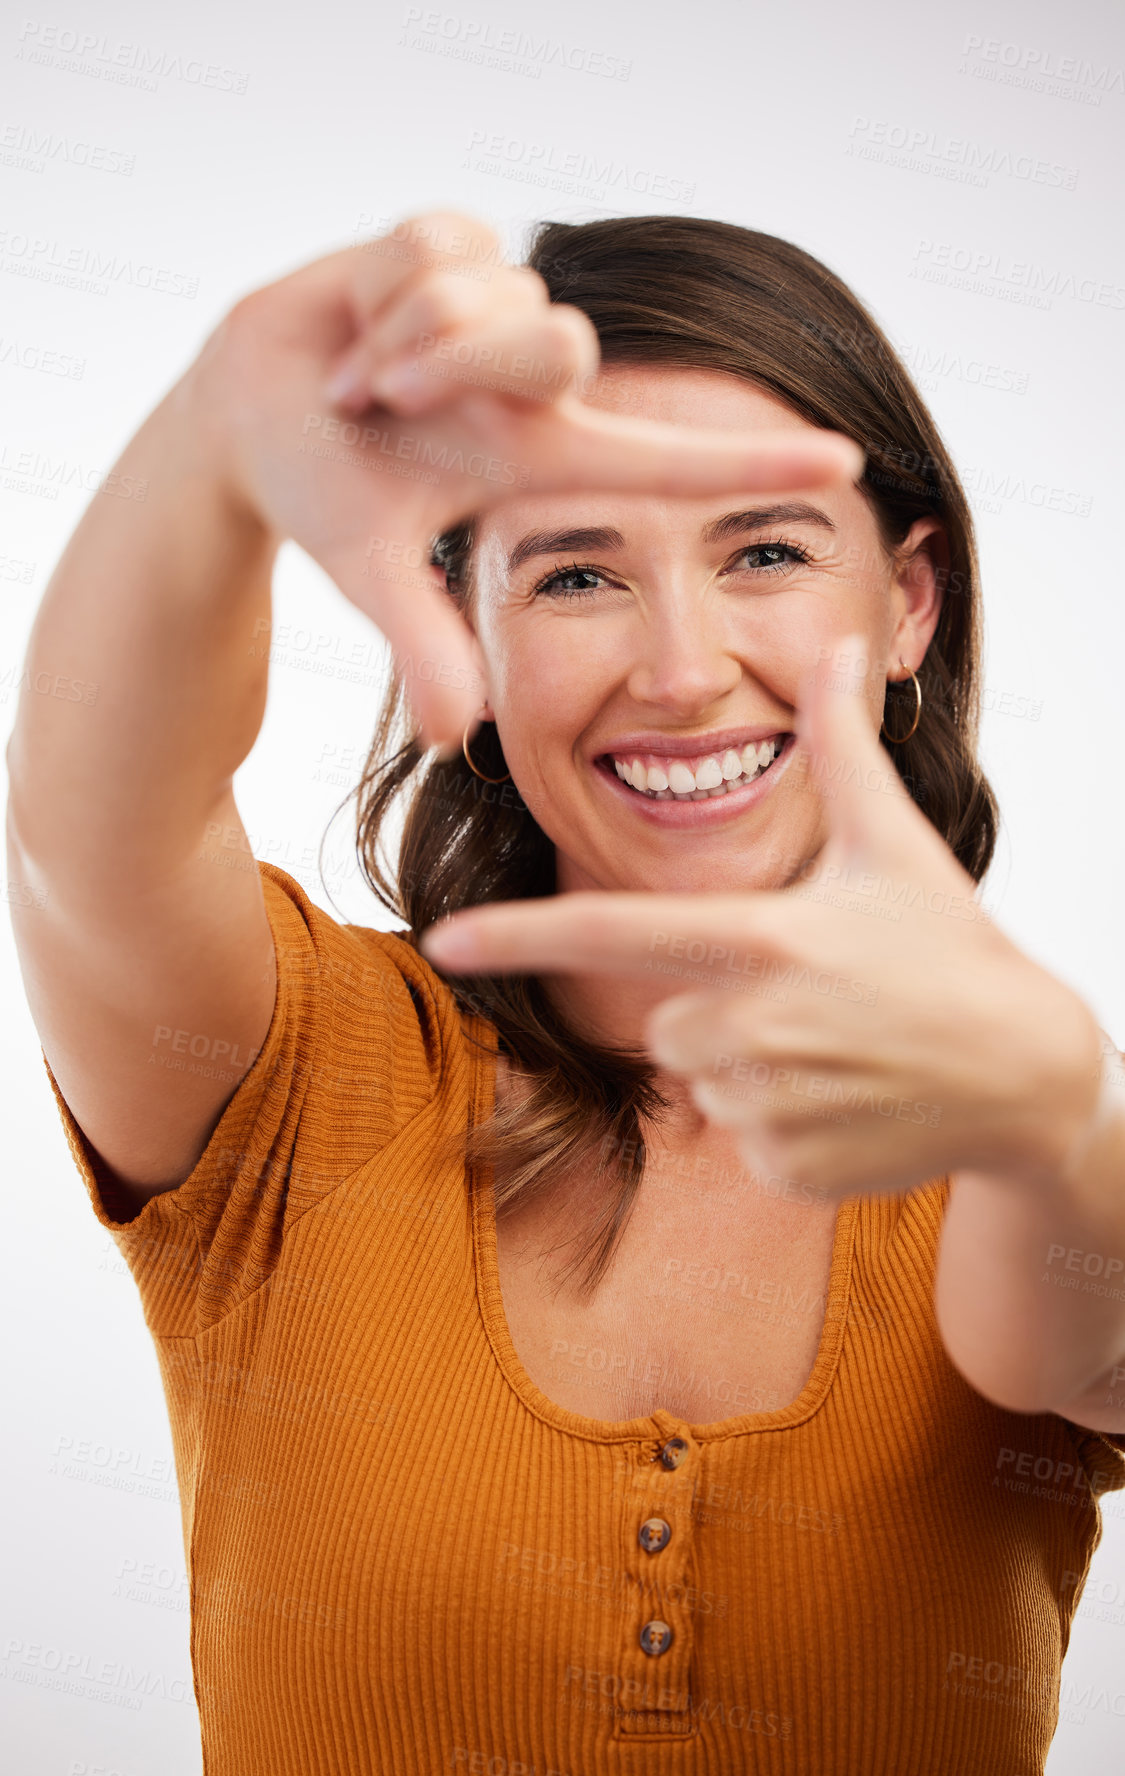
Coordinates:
<point>696,293</point>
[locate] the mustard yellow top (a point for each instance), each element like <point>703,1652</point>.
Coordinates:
<point>405,1559</point>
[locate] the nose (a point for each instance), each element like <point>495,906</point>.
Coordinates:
<point>682,657</point>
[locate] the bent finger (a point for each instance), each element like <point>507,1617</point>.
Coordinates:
<point>432,647</point>
<point>535,356</point>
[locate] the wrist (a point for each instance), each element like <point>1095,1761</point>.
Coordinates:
<point>1049,1108</point>
<point>201,439</point>
<point>1097,1142</point>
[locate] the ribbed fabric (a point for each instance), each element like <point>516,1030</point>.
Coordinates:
<point>405,1559</point>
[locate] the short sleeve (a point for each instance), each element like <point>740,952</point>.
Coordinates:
<point>1103,1456</point>
<point>355,1049</point>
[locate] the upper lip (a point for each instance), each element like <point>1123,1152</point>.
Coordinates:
<point>689,745</point>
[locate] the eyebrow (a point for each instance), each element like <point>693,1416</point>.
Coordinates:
<point>554,542</point>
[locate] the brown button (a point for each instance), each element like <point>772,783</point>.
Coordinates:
<point>656,1638</point>
<point>654,1534</point>
<point>673,1452</point>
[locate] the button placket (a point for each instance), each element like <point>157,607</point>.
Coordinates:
<point>658,1633</point>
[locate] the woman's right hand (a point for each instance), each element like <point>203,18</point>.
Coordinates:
<point>364,480</point>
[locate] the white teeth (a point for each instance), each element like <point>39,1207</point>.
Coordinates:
<point>713,775</point>
<point>731,764</point>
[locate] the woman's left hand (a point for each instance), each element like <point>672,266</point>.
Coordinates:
<point>862,1031</point>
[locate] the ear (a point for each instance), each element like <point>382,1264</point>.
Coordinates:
<point>919,572</point>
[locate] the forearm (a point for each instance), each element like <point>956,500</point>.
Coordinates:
<point>152,613</point>
<point>1030,1288</point>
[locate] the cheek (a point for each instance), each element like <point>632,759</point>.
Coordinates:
<point>547,690</point>
<point>794,636</point>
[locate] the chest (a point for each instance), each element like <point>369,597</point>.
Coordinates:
<point>714,1304</point>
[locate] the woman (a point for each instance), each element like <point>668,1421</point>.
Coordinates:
<point>754,1482</point>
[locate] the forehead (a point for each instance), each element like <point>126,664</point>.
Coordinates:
<point>682,396</point>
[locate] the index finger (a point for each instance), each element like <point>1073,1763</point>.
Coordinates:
<point>572,447</point>
<point>716,938</point>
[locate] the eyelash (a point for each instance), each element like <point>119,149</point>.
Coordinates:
<point>796,553</point>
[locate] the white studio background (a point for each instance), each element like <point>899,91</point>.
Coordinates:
<point>957,166</point>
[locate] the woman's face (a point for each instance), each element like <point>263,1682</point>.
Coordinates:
<point>682,639</point>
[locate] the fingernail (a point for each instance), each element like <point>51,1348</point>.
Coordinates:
<point>401,383</point>
<point>853,649</point>
<point>347,384</point>
<point>662,1038</point>
<point>447,945</point>
<point>858,460</point>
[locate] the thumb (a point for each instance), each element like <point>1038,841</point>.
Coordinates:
<point>865,799</point>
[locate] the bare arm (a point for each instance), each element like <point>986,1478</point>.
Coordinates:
<point>134,934</point>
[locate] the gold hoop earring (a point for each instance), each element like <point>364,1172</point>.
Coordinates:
<point>898,739</point>
<point>469,762</point>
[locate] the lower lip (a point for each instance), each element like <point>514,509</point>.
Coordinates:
<point>709,812</point>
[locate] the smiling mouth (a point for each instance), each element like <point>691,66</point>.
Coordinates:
<point>699,779</point>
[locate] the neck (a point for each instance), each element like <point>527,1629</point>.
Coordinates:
<point>615,1012</point>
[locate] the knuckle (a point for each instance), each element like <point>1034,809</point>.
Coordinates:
<point>524,278</point>
<point>448,231</point>
<point>250,312</point>
<point>579,330</point>
<point>578,318</point>
<point>562,340</point>
<point>439,301</point>
<point>235,344</point>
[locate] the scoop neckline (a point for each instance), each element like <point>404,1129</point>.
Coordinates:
<point>661,1422</point>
